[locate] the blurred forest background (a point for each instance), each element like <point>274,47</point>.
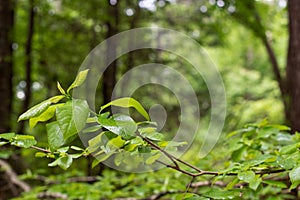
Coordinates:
<point>45,41</point>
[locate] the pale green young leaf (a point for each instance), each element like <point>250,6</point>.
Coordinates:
<point>101,158</point>
<point>80,78</point>
<point>77,148</point>
<point>40,154</point>
<point>114,144</point>
<point>65,162</point>
<point>3,143</point>
<point>40,108</point>
<point>61,90</point>
<point>152,159</point>
<point>45,116</point>
<point>54,163</point>
<point>7,136</point>
<point>92,129</point>
<point>24,141</point>
<point>95,143</point>
<point>127,102</point>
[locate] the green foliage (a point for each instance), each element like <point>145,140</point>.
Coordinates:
<point>24,141</point>
<point>259,153</point>
<point>122,133</point>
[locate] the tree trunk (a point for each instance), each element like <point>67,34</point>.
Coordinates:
<point>293,64</point>
<point>6,62</point>
<point>109,76</point>
<point>28,63</point>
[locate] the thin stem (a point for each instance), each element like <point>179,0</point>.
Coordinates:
<point>189,185</point>
<point>171,157</point>
<point>176,168</point>
<point>40,149</point>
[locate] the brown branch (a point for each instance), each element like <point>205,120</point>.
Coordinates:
<point>177,169</point>
<point>40,149</point>
<point>12,177</point>
<point>52,195</point>
<point>171,157</point>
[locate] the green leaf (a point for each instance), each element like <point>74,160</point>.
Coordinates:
<point>74,156</point>
<point>54,163</point>
<point>122,125</point>
<point>246,176</point>
<point>130,147</point>
<point>63,149</point>
<point>7,136</point>
<point>260,159</point>
<point>40,154</point>
<point>35,111</point>
<point>295,177</point>
<point>72,117</point>
<point>80,78</point>
<point>77,148</point>
<point>127,102</point>
<point>95,143</point>
<point>154,136</point>
<point>92,129</point>
<point>144,149</point>
<point>118,159</point>
<point>101,158</point>
<point>24,141</point>
<point>55,135</point>
<point>171,144</point>
<point>150,133</point>
<point>231,184</point>
<point>275,183</point>
<point>215,193</point>
<point>39,108</point>
<point>60,88</point>
<point>3,143</point>
<point>255,182</point>
<point>286,163</point>
<point>281,127</point>
<point>56,99</point>
<point>115,143</point>
<point>65,162</point>
<point>45,116</point>
<point>152,159</point>
<point>289,149</point>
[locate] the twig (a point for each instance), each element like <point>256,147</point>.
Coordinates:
<point>189,185</point>
<point>12,176</point>
<point>55,195</point>
<point>171,157</point>
<point>40,149</point>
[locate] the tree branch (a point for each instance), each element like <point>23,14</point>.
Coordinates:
<point>13,177</point>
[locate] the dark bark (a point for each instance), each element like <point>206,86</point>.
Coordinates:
<point>274,63</point>
<point>130,55</point>
<point>293,64</point>
<point>28,63</point>
<point>6,62</point>
<point>109,76</point>
<point>280,81</point>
